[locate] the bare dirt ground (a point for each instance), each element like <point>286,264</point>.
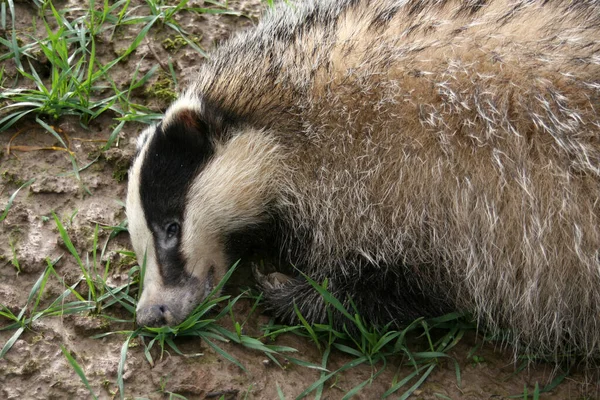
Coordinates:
<point>35,367</point>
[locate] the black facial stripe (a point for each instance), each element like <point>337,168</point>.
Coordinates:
<point>170,259</point>
<point>174,157</point>
<point>219,118</point>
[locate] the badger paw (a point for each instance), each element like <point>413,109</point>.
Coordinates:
<point>271,281</point>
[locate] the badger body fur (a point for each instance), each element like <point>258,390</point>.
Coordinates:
<point>422,156</point>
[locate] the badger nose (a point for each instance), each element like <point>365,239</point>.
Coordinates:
<point>152,316</point>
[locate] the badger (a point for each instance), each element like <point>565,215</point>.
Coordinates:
<point>420,156</point>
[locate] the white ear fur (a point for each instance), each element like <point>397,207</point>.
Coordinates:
<point>188,101</point>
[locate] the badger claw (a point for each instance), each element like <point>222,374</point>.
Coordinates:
<point>273,280</point>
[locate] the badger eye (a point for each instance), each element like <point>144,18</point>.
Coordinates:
<point>172,230</point>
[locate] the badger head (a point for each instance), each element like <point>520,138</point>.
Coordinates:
<point>191,190</point>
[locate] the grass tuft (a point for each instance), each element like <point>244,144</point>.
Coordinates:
<point>376,346</point>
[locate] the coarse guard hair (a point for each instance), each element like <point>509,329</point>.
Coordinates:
<point>423,156</point>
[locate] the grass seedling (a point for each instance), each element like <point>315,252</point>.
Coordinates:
<point>15,260</point>
<point>12,197</point>
<point>19,321</point>
<point>375,346</point>
<point>164,12</point>
<point>70,50</point>
<point>165,392</point>
<point>130,111</point>
<point>78,370</point>
<point>201,323</point>
<point>100,295</point>
<point>78,83</point>
<point>60,306</point>
<point>15,50</point>
<point>537,390</point>
<point>280,393</point>
<point>71,76</point>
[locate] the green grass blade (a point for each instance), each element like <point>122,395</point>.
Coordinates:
<point>308,328</point>
<point>38,288</point>
<point>57,136</point>
<point>6,313</point>
<point>121,367</point>
<point>113,136</point>
<point>78,370</point>
<point>222,352</point>
<point>279,392</point>
<point>3,16</point>
<point>140,36</point>
<point>323,379</point>
<point>11,341</point>
<point>324,360</point>
<point>305,364</point>
<point>14,117</point>
<point>16,50</point>
<point>555,382</point>
<point>329,298</point>
<point>255,344</point>
<point>395,387</point>
<point>69,244</point>
<point>11,199</point>
<point>414,387</point>
<point>67,241</point>
<point>347,350</point>
<point>188,40</point>
<point>356,389</point>
<point>361,385</point>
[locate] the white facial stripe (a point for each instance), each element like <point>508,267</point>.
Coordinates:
<point>141,236</point>
<point>143,137</point>
<point>229,194</point>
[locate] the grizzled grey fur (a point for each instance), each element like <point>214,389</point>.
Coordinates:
<point>422,155</point>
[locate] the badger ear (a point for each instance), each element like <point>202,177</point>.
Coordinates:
<point>185,128</point>
<point>187,118</point>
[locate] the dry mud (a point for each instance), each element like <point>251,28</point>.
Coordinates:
<point>35,367</point>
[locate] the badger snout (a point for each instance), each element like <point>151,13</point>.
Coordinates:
<point>154,316</point>
<point>161,305</point>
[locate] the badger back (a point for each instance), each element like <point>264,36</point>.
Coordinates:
<point>455,142</point>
